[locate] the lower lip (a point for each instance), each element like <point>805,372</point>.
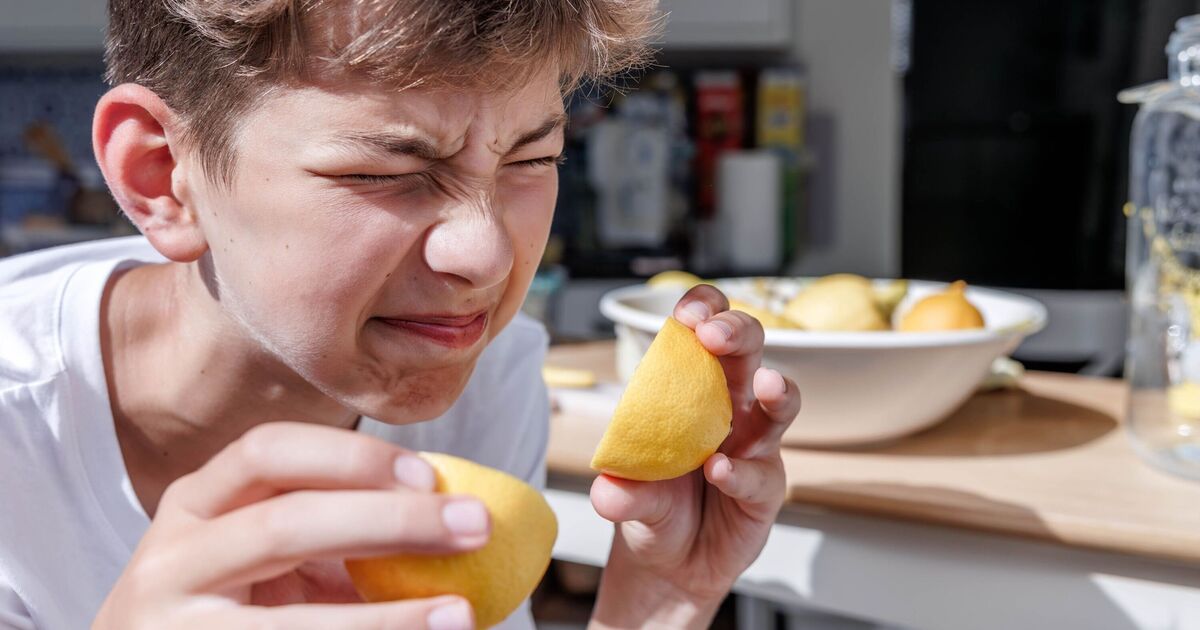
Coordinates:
<point>463,336</point>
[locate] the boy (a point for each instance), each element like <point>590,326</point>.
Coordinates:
<point>343,203</point>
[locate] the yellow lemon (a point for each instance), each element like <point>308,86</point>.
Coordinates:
<point>949,310</point>
<point>495,578</point>
<point>674,278</point>
<point>673,415</point>
<point>556,376</point>
<point>839,302</point>
<point>889,296</point>
<point>767,318</point>
<point>842,278</point>
<point>1183,399</point>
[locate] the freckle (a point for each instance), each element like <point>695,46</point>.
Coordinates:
<point>285,245</point>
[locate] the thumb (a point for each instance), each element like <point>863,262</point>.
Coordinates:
<point>619,500</point>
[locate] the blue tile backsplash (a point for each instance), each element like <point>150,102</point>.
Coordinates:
<point>61,92</point>
<point>63,95</point>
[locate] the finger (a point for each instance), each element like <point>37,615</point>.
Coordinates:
<point>737,341</point>
<point>281,456</point>
<point>620,500</point>
<point>440,613</point>
<point>268,538</point>
<point>698,304</point>
<point>779,403</point>
<point>757,482</point>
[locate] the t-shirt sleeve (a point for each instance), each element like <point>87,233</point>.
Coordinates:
<point>13,615</point>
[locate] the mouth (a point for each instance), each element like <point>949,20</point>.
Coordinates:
<point>452,331</point>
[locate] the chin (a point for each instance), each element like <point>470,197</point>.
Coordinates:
<point>420,399</point>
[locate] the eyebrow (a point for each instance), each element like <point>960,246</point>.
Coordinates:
<point>554,122</point>
<point>393,143</point>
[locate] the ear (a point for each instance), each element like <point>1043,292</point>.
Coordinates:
<point>136,139</point>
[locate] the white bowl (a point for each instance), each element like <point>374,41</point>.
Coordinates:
<point>857,387</point>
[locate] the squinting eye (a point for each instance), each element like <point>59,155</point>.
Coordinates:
<point>543,161</point>
<point>382,179</point>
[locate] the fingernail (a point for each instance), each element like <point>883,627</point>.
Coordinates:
<point>728,467</point>
<point>724,327</point>
<point>782,381</point>
<point>456,616</point>
<point>697,310</point>
<point>466,517</point>
<point>414,472</point>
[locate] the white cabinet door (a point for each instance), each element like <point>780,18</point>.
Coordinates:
<point>52,25</point>
<point>694,24</point>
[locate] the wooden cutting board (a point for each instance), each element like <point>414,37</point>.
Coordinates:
<point>1049,460</point>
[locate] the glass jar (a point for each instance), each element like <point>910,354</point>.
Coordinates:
<point>1163,261</point>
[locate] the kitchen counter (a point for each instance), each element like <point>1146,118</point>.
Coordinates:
<point>1031,495</point>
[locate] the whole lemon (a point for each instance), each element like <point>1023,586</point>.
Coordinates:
<point>674,413</point>
<point>495,578</point>
<point>1183,399</point>
<point>889,296</point>
<point>949,310</point>
<point>842,302</point>
<point>765,317</point>
<point>842,278</point>
<point>674,278</point>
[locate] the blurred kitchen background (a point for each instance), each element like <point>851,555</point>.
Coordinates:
<point>931,139</point>
<point>934,139</point>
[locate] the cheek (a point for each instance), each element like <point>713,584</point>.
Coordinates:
<point>528,212</point>
<point>304,270</point>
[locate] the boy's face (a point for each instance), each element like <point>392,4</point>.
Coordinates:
<point>376,241</point>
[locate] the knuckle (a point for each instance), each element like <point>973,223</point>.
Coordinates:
<point>143,578</point>
<point>364,458</point>
<point>276,525</point>
<point>172,493</point>
<point>255,446</point>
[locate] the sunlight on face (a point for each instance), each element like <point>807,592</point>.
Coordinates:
<point>375,242</point>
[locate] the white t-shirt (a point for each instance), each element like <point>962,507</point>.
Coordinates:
<point>69,519</point>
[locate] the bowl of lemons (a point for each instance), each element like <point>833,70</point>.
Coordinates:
<point>876,359</point>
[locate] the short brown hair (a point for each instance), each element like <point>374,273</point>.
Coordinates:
<point>210,60</point>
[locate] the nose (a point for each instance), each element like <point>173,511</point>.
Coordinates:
<point>472,244</point>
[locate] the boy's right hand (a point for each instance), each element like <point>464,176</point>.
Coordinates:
<point>282,496</point>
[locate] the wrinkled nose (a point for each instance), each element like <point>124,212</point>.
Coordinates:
<point>472,245</point>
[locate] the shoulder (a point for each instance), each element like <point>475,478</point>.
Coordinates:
<point>33,306</point>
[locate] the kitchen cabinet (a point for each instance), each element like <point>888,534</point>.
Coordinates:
<point>721,24</point>
<point>78,25</point>
<point>40,26</point>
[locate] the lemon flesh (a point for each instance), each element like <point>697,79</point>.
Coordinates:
<point>495,578</point>
<point>673,415</point>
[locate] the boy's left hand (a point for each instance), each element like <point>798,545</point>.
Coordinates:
<point>681,543</point>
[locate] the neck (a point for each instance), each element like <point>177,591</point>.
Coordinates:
<point>184,381</point>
